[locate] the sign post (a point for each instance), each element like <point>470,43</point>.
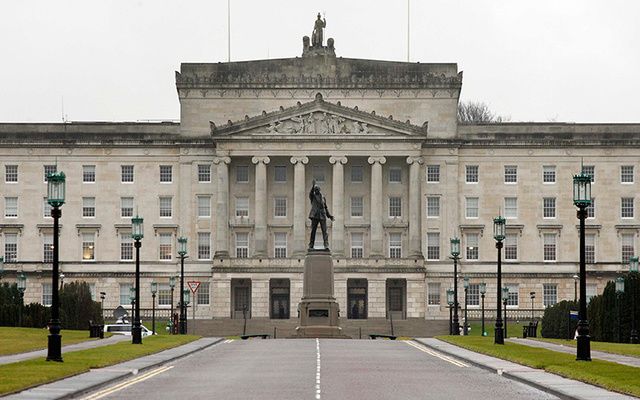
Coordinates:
<point>193,285</point>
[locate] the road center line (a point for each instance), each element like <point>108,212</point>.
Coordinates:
<point>318,369</point>
<point>127,383</point>
<point>437,355</point>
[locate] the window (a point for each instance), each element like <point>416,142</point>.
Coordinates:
<point>280,245</point>
<point>126,173</point>
<point>357,206</point>
<point>357,174</point>
<point>626,207</point>
<point>10,247</point>
<point>317,172</point>
<point>549,174</point>
<point>88,246</point>
<point>626,173</point>
<point>357,245</point>
<point>280,173</point>
<point>591,209</point>
<point>280,207</point>
<point>242,244</point>
<point>166,174</point>
<point>204,246</point>
<point>549,294</point>
<point>204,173</point>
<point>47,248</point>
<point>433,293</point>
<point>395,245</point>
<point>512,298</point>
<point>202,297</point>
<point>511,247</point>
<point>11,173</point>
<point>472,244</point>
<point>511,207</point>
<point>242,174</point>
<point>242,206</point>
<point>590,248</point>
<point>126,207</point>
<point>549,246</point>
<point>11,207</point>
<point>46,208</point>
<point>628,246</point>
<point>164,294</point>
<point>473,294</point>
<point>46,294</point>
<point>433,207</point>
<point>89,207</point>
<point>395,206</point>
<point>510,174</point>
<point>126,247</point>
<point>471,174</point>
<point>204,206</point>
<point>590,170</point>
<point>165,207</point>
<point>88,173</point>
<point>125,291</point>
<point>549,207</point>
<point>433,173</point>
<point>471,207</point>
<point>433,246</point>
<point>49,169</point>
<point>395,175</point>
<point>166,246</point>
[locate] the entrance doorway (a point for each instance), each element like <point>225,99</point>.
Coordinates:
<point>240,298</point>
<point>279,294</point>
<point>357,298</point>
<point>396,298</point>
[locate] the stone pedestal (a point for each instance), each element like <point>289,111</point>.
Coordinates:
<point>319,310</point>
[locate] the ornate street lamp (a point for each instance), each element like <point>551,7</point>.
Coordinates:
<point>455,255</point>
<point>55,198</point>
<point>186,296</point>
<point>137,233</point>
<point>465,329</point>
<point>154,290</point>
<point>582,200</point>
<point>533,296</point>
<point>450,301</point>
<point>182,251</point>
<point>483,291</point>
<point>505,299</point>
<point>172,285</point>
<point>499,233</point>
<point>633,268</point>
<point>132,299</point>
<point>1,267</point>
<point>619,293</point>
<point>103,295</point>
<point>22,286</point>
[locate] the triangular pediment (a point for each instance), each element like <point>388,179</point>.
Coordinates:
<point>319,118</point>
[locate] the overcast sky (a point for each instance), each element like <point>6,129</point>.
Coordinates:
<point>114,60</point>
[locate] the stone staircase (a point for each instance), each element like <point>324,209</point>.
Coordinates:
<point>284,328</point>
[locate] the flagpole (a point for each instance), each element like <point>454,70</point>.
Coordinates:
<point>408,28</point>
<point>229,30</point>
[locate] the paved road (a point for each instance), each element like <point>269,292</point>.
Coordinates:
<point>324,369</point>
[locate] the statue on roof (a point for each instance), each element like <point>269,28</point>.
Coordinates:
<point>316,37</point>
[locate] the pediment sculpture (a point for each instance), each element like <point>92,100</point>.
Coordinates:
<point>318,123</point>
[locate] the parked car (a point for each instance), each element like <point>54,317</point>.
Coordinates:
<point>125,329</point>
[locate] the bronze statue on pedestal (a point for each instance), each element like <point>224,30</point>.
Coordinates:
<point>318,214</point>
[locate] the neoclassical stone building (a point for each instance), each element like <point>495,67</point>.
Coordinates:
<point>399,173</point>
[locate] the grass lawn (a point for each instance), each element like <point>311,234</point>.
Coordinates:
<point>625,349</point>
<point>22,375</point>
<point>21,340</point>
<point>611,376</point>
<point>513,329</point>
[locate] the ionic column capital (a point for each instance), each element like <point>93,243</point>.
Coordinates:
<point>261,159</point>
<point>416,160</point>
<point>299,159</point>
<point>377,159</point>
<point>338,159</point>
<point>224,160</point>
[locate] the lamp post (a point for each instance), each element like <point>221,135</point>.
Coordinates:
<point>61,281</point>
<point>154,290</point>
<point>186,296</point>
<point>450,303</point>
<point>466,290</point>
<point>132,299</point>
<point>22,286</point>
<point>533,296</point>
<point>499,233</point>
<point>172,285</point>
<point>505,299</point>
<point>575,288</point>
<point>619,293</point>
<point>1,267</point>
<point>582,199</point>
<point>455,255</point>
<point>137,233</point>
<point>633,268</point>
<point>55,198</point>
<point>182,251</point>
<point>483,290</point>
<point>103,295</point>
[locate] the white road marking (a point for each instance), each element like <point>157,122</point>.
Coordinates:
<point>116,388</point>
<point>318,391</point>
<point>228,341</point>
<point>437,354</point>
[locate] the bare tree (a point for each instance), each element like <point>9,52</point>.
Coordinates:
<point>477,111</point>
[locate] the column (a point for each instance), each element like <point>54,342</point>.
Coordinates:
<point>337,205</point>
<point>222,207</point>
<point>415,214</point>
<point>376,232</point>
<point>299,205</point>
<point>260,201</point>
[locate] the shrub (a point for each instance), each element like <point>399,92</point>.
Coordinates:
<point>556,322</point>
<point>77,308</point>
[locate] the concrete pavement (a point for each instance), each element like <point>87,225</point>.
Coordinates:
<point>557,385</point>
